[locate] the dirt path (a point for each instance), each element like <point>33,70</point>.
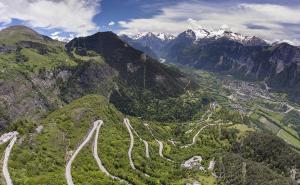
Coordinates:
<point>5,161</point>
<point>97,158</point>
<point>69,164</point>
<point>126,122</point>
<point>187,85</point>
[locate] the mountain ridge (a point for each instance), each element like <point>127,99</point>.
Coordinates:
<point>39,74</point>
<point>246,57</point>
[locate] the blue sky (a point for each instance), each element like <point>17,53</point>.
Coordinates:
<point>270,19</point>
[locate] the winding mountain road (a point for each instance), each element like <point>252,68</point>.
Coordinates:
<point>145,142</point>
<point>126,122</point>
<point>146,149</point>
<point>98,160</point>
<point>161,148</point>
<point>161,145</point>
<point>129,127</point>
<point>5,161</point>
<point>160,151</point>
<point>68,174</point>
<point>196,135</point>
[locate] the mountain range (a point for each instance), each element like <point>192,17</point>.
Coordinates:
<point>245,57</point>
<point>96,110</point>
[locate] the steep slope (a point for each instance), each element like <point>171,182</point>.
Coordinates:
<point>139,46</point>
<point>150,43</point>
<point>39,74</point>
<point>245,58</point>
<point>31,68</point>
<point>40,155</point>
<point>14,34</point>
<point>135,68</point>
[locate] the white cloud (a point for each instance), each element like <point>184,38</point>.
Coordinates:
<point>111,23</point>
<point>67,15</point>
<point>266,19</point>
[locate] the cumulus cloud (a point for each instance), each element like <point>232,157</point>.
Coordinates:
<point>111,23</point>
<point>264,20</point>
<point>67,15</point>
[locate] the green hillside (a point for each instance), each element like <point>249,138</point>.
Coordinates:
<point>96,111</point>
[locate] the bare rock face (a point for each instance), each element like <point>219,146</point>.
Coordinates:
<point>193,163</point>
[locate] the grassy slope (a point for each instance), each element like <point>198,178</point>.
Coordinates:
<point>40,158</point>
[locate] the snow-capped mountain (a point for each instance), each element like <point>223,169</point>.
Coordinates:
<point>198,35</point>
<point>150,35</point>
<point>148,42</point>
<point>160,45</point>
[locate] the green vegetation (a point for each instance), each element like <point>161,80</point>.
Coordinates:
<point>40,75</point>
<point>289,138</point>
<point>40,158</point>
<point>292,120</point>
<point>233,169</point>
<point>146,105</point>
<point>269,149</point>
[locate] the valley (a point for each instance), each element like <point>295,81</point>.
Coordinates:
<point>98,111</point>
<point>266,109</point>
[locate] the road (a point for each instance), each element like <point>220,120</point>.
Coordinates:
<point>129,127</point>
<point>5,161</point>
<point>290,108</point>
<point>160,151</point>
<point>208,113</point>
<point>97,158</point>
<point>146,149</point>
<point>161,145</point>
<point>161,148</point>
<point>69,164</point>
<point>7,136</point>
<point>126,122</point>
<point>145,142</point>
<point>196,135</point>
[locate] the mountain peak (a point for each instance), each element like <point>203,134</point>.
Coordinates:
<point>224,32</point>
<point>165,36</point>
<point>151,35</point>
<point>18,30</point>
<point>200,33</point>
<point>18,33</point>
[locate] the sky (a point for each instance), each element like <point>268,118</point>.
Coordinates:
<point>273,20</point>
